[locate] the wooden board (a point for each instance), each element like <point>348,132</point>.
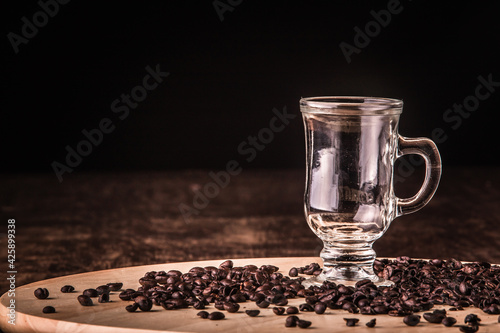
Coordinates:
<point>112,317</point>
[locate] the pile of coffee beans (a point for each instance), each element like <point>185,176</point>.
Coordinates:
<point>418,286</point>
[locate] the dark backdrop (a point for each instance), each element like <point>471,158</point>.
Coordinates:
<point>230,63</point>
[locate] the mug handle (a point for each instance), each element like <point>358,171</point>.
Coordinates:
<point>429,151</point>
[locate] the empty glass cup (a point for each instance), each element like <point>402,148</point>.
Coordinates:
<point>351,146</point>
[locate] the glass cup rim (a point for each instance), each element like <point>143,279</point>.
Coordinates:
<point>351,105</point>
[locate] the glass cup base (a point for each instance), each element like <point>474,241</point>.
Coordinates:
<point>347,266</point>
<point>342,279</point>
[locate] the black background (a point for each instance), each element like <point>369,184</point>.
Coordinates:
<point>227,76</point>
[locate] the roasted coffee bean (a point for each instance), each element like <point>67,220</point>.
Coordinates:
<point>493,309</point>
<point>435,318</point>
<point>381,309</point>
<point>348,306</point>
<point>449,321</point>
<point>103,298</point>
<point>319,308</point>
<point>104,289</point>
<point>311,300</point>
<point>231,307</point>
<point>439,312</point>
<point>132,307</point>
<point>351,321</point>
<point>291,321</point>
<point>368,310</point>
<point>371,323</point>
<point>49,309</point>
<point>293,272</point>
<point>311,268</point>
<point>41,293</point>
<point>199,305</point>
<point>85,300</point>
<point>362,283</point>
<point>216,316</point>
<point>469,329</point>
<point>472,319</point>
<point>125,296</point>
<point>203,314</point>
<point>67,289</point>
<point>115,286</point>
<point>306,307</point>
<point>139,298</point>
<point>252,313</point>
<point>257,297</point>
<point>344,290</point>
<point>90,292</point>
<point>303,323</point>
<point>411,320</point>
<point>179,303</point>
<point>219,305</point>
<point>145,305</point>
<point>292,310</point>
<point>263,304</point>
<point>228,264</point>
<point>280,300</point>
<point>238,298</point>
<point>278,311</point>
<point>168,306</point>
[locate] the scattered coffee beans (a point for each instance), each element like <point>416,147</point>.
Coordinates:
<point>419,285</point>
<point>252,313</point>
<point>41,293</point>
<point>351,321</point>
<point>85,300</point>
<point>67,289</point>
<point>371,323</point>
<point>49,309</point>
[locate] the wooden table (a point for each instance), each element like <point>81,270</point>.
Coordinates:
<point>95,221</point>
<point>112,317</point>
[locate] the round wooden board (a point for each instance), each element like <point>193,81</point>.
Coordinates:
<point>112,317</point>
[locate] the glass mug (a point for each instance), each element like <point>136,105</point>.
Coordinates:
<point>351,146</point>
